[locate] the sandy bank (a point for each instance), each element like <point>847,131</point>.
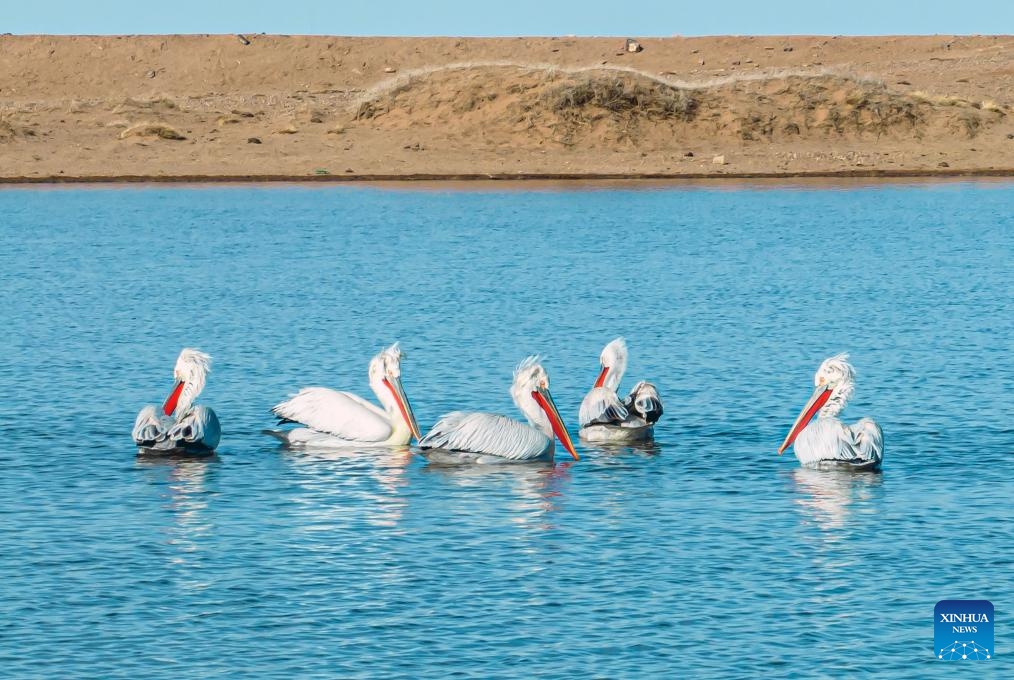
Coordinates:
<point>290,107</point>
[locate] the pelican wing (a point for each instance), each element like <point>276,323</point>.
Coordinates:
<point>341,414</point>
<point>199,426</point>
<point>150,427</point>
<point>827,439</point>
<point>601,406</point>
<point>869,440</point>
<point>645,402</point>
<point>488,434</point>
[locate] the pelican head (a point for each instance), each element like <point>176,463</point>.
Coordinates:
<point>531,389</point>
<point>834,384</point>
<point>614,363</point>
<point>385,377</point>
<point>190,374</point>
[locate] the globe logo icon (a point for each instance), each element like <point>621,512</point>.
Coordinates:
<point>963,650</point>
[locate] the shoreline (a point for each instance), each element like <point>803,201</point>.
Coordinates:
<point>440,178</point>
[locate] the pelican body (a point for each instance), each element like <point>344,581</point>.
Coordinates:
<point>179,426</point>
<point>333,419</point>
<point>461,437</point>
<point>604,418</point>
<point>827,441</point>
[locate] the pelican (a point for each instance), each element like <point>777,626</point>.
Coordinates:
<point>827,441</point>
<point>604,418</point>
<point>181,426</point>
<point>461,437</point>
<point>337,419</point>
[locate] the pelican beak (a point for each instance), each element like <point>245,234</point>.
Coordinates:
<point>602,377</point>
<point>170,404</point>
<point>394,384</point>
<point>545,400</point>
<point>816,402</point>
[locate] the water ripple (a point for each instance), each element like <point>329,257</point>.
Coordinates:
<point>704,554</point>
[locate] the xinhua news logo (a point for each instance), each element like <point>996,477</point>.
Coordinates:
<point>963,630</point>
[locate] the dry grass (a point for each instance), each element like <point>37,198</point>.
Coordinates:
<point>7,131</point>
<point>157,130</point>
<point>940,100</point>
<point>621,95</point>
<point>130,104</point>
<point>620,107</point>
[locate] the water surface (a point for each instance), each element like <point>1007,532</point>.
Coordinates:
<point>704,554</point>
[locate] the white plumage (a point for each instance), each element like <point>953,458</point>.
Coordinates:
<point>460,437</point>
<point>180,426</point>
<point>604,417</point>
<point>827,440</point>
<point>337,419</point>
<point>340,414</point>
<point>488,434</point>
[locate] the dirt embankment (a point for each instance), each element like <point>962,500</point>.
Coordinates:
<point>221,106</point>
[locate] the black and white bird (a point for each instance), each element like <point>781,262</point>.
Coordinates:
<point>604,418</point>
<point>179,426</point>
<point>463,437</point>
<point>827,441</point>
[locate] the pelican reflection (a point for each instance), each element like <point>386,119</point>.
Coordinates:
<point>829,498</point>
<point>184,478</point>
<point>341,486</point>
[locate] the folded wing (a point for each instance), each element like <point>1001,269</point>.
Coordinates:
<point>486,433</point>
<point>601,406</point>
<point>341,414</point>
<point>199,427</point>
<point>149,427</point>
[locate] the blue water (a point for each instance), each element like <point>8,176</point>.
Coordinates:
<point>706,554</point>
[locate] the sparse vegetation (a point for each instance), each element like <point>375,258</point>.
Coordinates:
<point>158,130</point>
<point>620,95</point>
<point>160,103</point>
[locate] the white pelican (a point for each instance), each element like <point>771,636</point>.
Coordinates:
<point>604,418</point>
<point>181,426</point>
<point>337,419</point>
<point>827,441</point>
<point>461,437</point>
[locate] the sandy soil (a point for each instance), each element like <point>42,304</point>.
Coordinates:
<point>343,108</point>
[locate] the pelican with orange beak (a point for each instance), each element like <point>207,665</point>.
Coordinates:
<point>606,419</point>
<point>827,441</point>
<point>334,419</point>
<point>180,426</point>
<point>462,437</point>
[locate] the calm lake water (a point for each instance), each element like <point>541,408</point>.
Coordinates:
<point>705,554</point>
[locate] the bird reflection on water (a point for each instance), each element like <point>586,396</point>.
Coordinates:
<point>647,449</point>
<point>338,487</point>
<point>536,490</point>
<point>829,498</point>
<point>184,478</point>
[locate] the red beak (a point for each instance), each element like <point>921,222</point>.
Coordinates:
<point>816,402</point>
<point>602,377</point>
<point>174,397</point>
<point>545,400</point>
